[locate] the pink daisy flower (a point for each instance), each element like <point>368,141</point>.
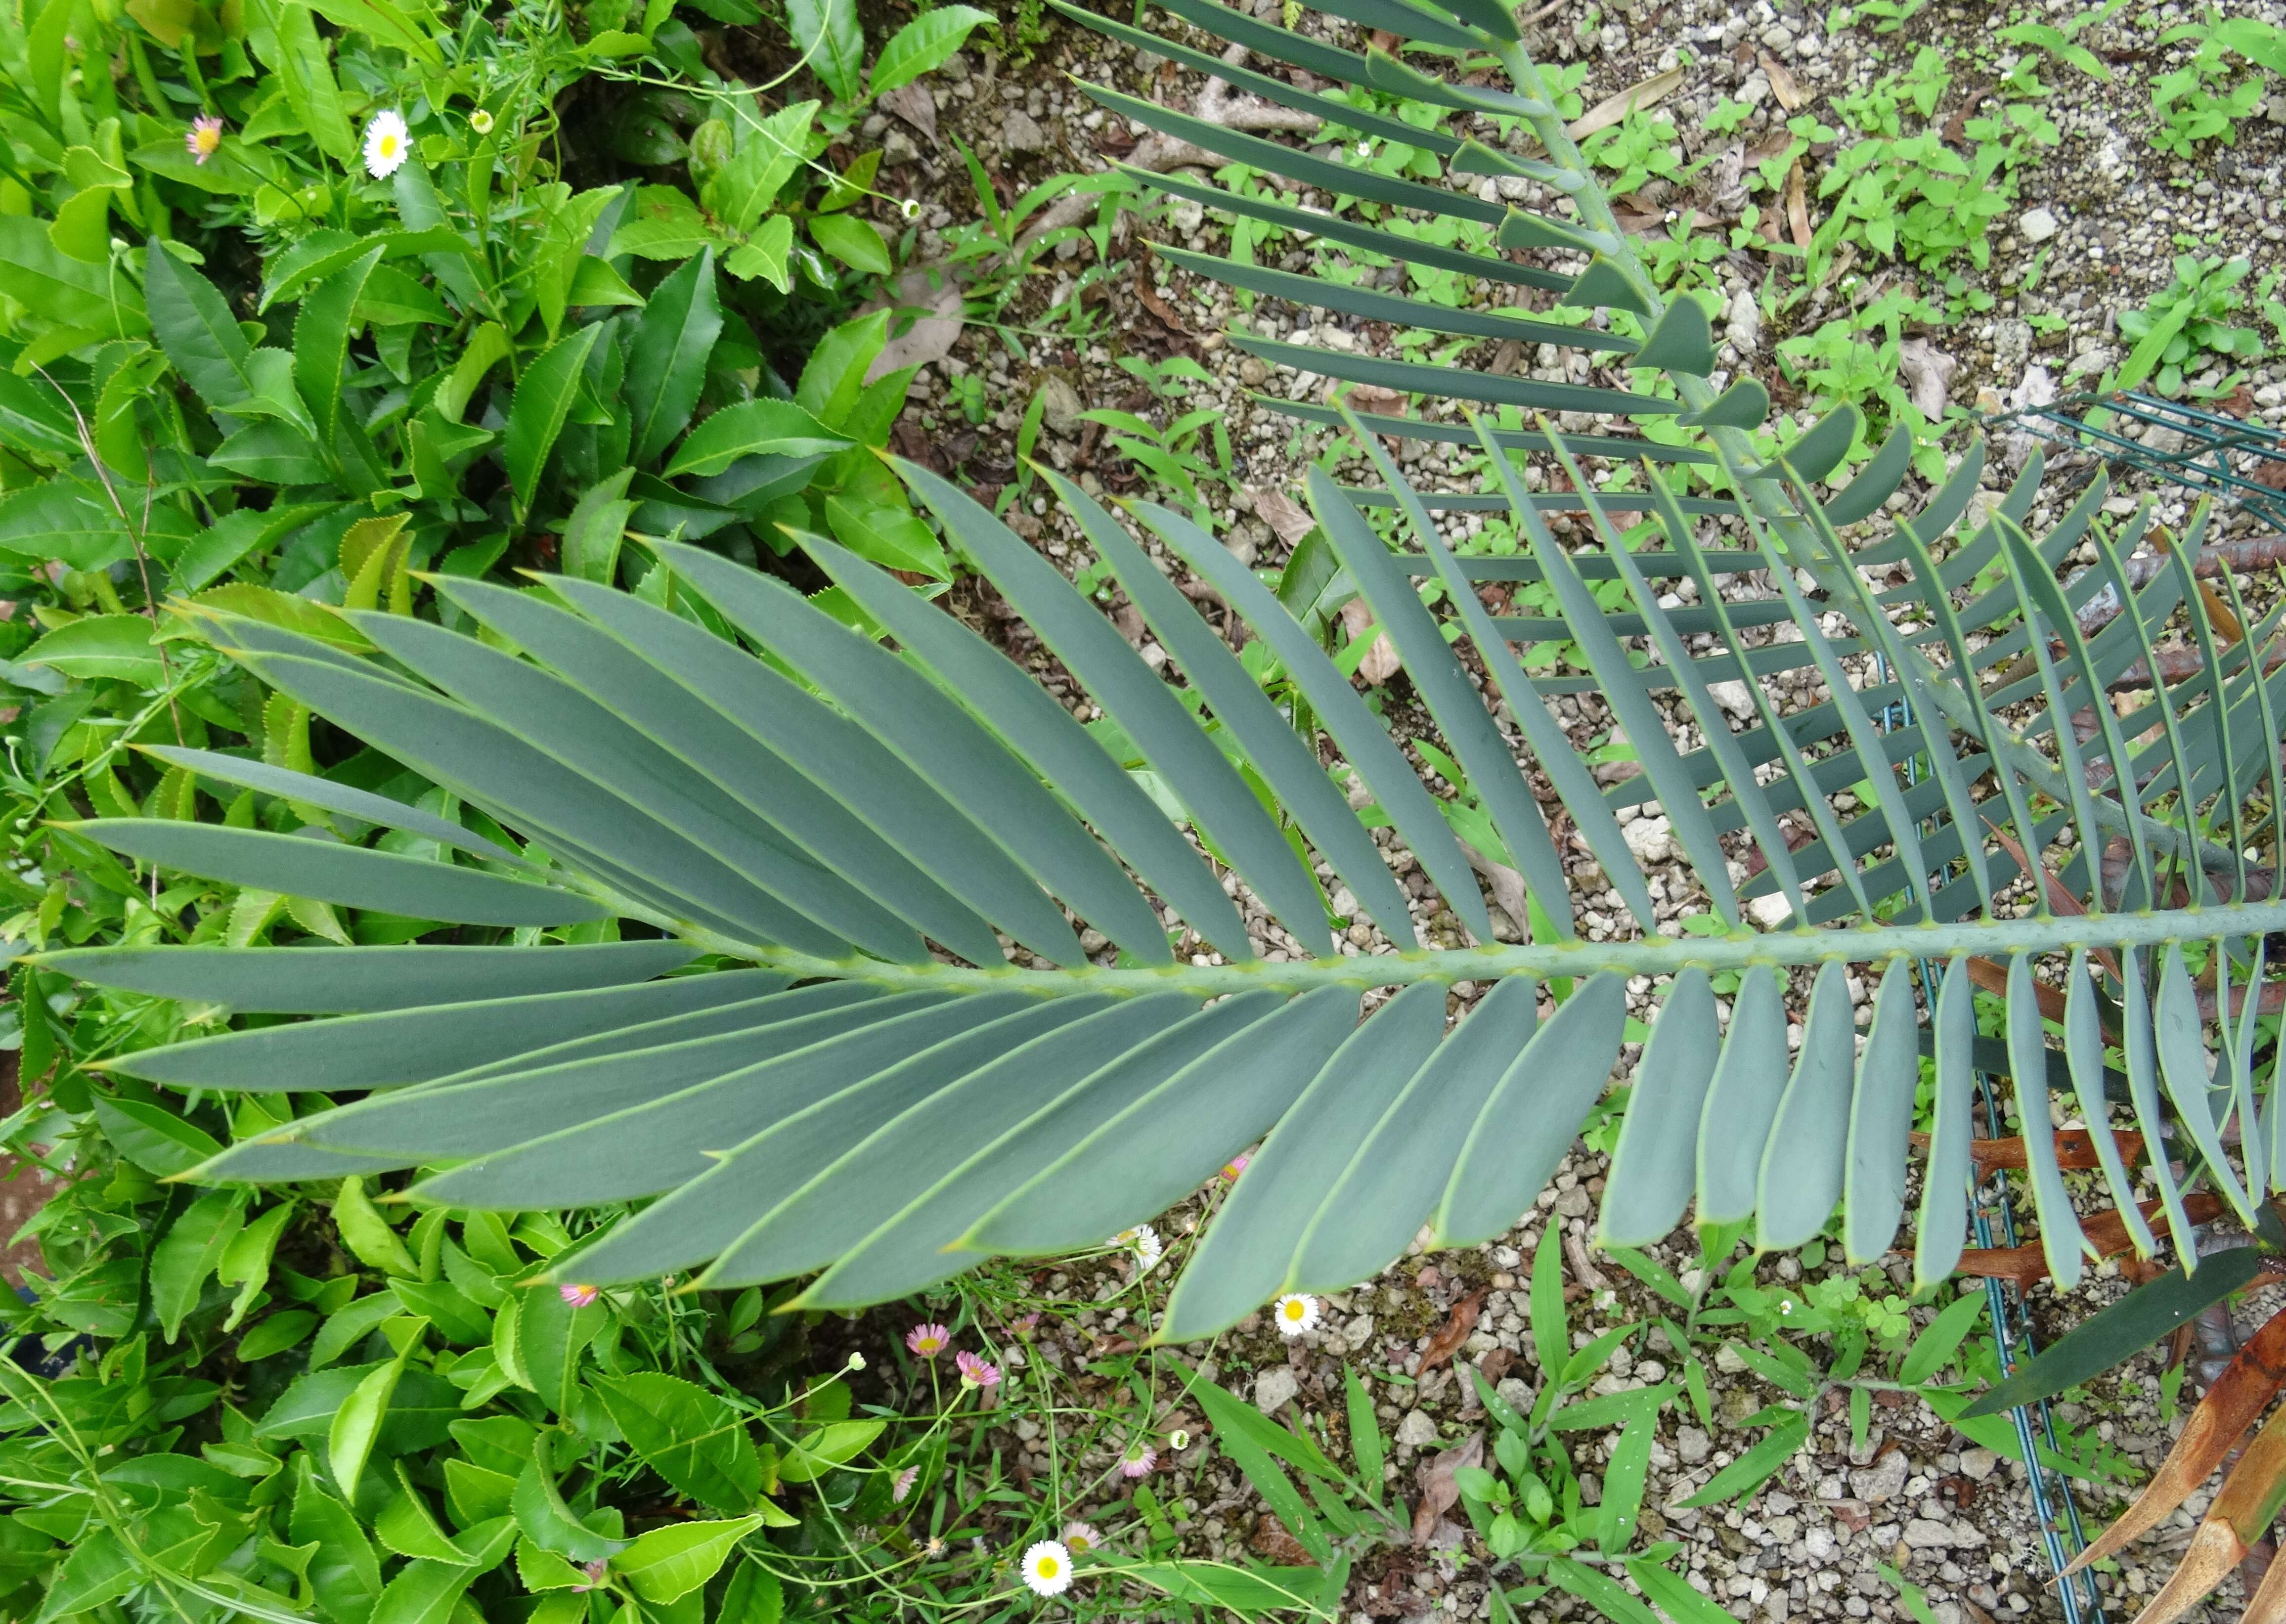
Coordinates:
<point>578,1296</point>
<point>929,1341</point>
<point>204,137</point>
<point>1236,1166</point>
<point>977,1372</point>
<point>1138,1460</point>
<point>901,1485</point>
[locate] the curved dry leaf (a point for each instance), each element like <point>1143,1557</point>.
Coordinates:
<point>932,292</point>
<point>1635,98</point>
<point>1797,206</point>
<point>2267,1605</point>
<point>1454,1332</point>
<point>2231,1406</point>
<point>2250,1495</point>
<point>2075,1150</point>
<point>1288,519</point>
<point>1440,1493</point>
<point>2215,1550</point>
<point>1993,977</point>
<point>1784,85</point>
<point>1380,662</point>
<point>2106,1232</point>
<point>1929,375</point>
<point>916,106</point>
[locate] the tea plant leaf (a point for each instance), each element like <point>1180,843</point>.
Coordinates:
<point>923,45</point>
<point>667,365</point>
<point>826,34</point>
<point>689,1436</point>
<point>541,403</point>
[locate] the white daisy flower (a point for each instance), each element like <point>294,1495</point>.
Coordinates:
<point>1048,1568</point>
<point>1144,1241</point>
<point>387,143</point>
<point>1296,1312</point>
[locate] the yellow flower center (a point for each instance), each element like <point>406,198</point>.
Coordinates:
<point>1047,1567</point>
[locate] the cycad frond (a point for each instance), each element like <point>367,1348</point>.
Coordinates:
<point>926,1066</point>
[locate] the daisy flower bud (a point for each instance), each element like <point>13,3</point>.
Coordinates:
<point>480,122</point>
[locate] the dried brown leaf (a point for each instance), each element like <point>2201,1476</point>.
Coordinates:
<point>2267,1605</point>
<point>1635,98</point>
<point>915,104</point>
<point>2231,1406</point>
<point>2075,1150</point>
<point>2215,1550</point>
<point>1288,519</point>
<point>1440,1493</point>
<point>1797,205</point>
<point>1153,302</point>
<point>1454,1332</point>
<point>1274,1545</point>
<point>1783,83</point>
<point>1993,977</point>
<point>1380,662</point>
<point>2105,1230</point>
<point>1929,375</point>
<point>1368,397</point>
<point>1956,128</point>
<point>2250,1496</point>
<point>935,299</point>
<point>1583,1267</point>
<point>2218,615</point>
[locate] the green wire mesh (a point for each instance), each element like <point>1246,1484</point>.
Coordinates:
<point>2210,453</point>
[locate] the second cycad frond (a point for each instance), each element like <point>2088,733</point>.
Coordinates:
<point>924,1064</point>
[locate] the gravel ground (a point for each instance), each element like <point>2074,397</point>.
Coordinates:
<point>2107,210</point>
